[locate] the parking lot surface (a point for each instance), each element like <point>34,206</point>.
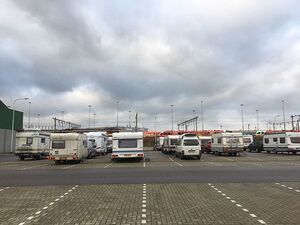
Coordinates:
<point>254,188</point>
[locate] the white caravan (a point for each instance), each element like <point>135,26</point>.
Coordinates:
<point>169,144</point>
<point>32,144</point>
<point>282,142</point>
<point>128,145</point>
<point>68,147</point>
<point>188,146</point>
<point>247,139</point>
<point>227,143</point>
<point>97,141</point>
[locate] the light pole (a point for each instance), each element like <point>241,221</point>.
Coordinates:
<point>13,123</point>
<point>202,123</point>
<point>29,104</point>
<point>38,119</point>
<point>155,117</point>
<point>242,108</point>
<point>129,118</point>
<point>89,115</point>
<point>257,124</point>
<point>283,115</point>
<point>172,115</point>
<point>117,113</point>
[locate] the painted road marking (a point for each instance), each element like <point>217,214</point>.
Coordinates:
<point>68,167</point>
<point>44,208</point>
<point>238,205</point>
<point>285,186</point>
<point>32,167</point>
<point>144,205</point>
<point>216,164</point>
<point>107,165</point>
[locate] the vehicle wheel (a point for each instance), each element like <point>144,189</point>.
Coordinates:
<point>199,157</point>
<point>268,151</point>
<point>22,158</point>
<point>294,153</point>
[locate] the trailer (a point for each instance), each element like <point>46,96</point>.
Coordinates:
<point>188,146</point>
<point>169,144</point>
<point>127,145</point>
<point>68,147</point>
<point>227,143</point>
<point>97,142</point>
<point>247,140</point>
<point>32,144</point>
<point>158,143</point>
<point>282,142</point>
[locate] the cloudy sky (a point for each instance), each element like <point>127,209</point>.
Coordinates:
<point>66,55</point>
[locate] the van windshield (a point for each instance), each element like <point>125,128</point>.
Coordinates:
<point>192,142</point>
<point>127,143</point>
<point>59,144</point>
<point>295,140</point>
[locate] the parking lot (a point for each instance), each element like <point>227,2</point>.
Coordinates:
<point>164,190</point>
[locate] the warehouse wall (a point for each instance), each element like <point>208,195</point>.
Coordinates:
<point>5,138</point>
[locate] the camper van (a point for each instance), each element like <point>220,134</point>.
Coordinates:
<point>282,142</point>
<point>32,144</point>
<point>169,144</point>
<point>188,146</point>
<point>97,141</point>
<point>205,142</point>
<point>247,140</point>
<point>68,147</point>
<point>158,143</point>
<point>227,143</point>
<point>127,145</point>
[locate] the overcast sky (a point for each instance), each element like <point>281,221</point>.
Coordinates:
<point>66,55</point>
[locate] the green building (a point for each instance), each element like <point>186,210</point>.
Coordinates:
<point>6,115</point>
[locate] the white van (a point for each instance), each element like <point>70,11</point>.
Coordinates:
<point>97,141</point>
<point>128,145</point>
<point>188,145</point>
<point>68,147</point>
<point>227,143</point>
<point>169,144</point>
<point>282,142</point>
<point>247,139</point>
<point>32,144</point>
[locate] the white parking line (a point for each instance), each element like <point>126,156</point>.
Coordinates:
<point>144,164</point>
<point>144,205</point>
<point>285,186</point>
<point>238,205</point>
<point>216,164</point>
<point>68,167</point>
<point>32,167</point>
<point>107,165</point>
<point>178,163</point>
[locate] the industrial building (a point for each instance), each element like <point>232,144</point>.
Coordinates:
<point>6,115</point>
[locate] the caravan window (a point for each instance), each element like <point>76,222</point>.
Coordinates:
<point>266,140</point>
<point>247,140</point>
<point>127,143</point>
<point>29,141</point>
<point>282,140</point>
<point>43,140</point>
<point>275,139</point>
<point>232,140</point>
<point>173,141</point>
<point>295,140</point>
<point>219,140</point>
<point>192,142</point>
<point>58,144</point>
<point>84,143</point>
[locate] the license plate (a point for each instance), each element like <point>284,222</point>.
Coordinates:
<point>126,155</point>
<point>191,150</point>
<point>63,158</point>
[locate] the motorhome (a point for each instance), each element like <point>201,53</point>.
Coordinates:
<point>127,145</point>
<point>188,146</point>
<point>32,144</point>
<point>169,144</point>
<point>227,143</point>
<point>282,142</point>
<point>247,140</point>
<point>97,141</point>
<point>158,143</point>
<point>68,147</point>
<point>205,142</point>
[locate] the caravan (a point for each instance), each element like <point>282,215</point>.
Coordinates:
<point>128,145</point>
<point>247,140</point>
<point>169,144</point>
<point>97,141</point>
<point>32,144</point>
<point>68,147</point>
<point>227,143</point>
<point>282,142</point>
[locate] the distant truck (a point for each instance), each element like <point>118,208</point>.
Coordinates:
<point>68,147</point>
<point>32,144</point>
<point>188,146</point>
<point>169,144</point>
<point>128,145</point>
<point>227,143</point>
<point>247,139</point>
<point>282,142</point>
<point>159,141</point>
<point>97,141</point>
<point>205,143</point>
